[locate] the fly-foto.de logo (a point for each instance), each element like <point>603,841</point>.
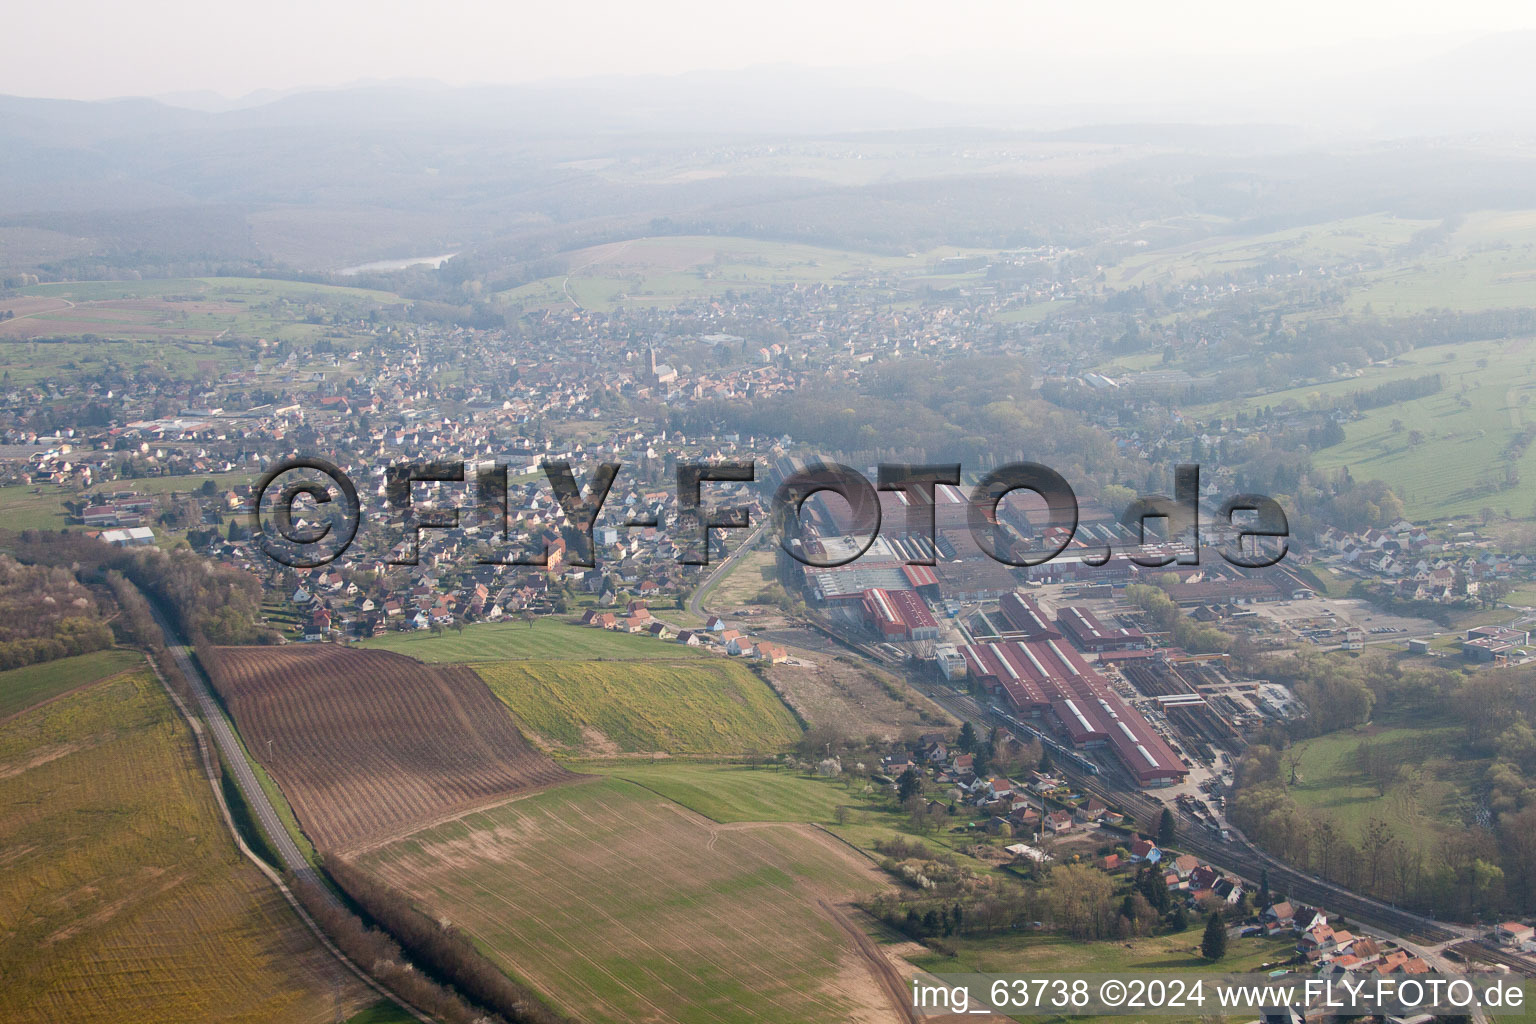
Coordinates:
<point>306,512</point>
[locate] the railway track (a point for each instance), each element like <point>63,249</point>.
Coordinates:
<point>1472,950</point>
<point>1239,857</point>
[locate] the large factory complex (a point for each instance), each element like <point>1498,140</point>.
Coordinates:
<point>1046,672</point>
<point>1043,677</point>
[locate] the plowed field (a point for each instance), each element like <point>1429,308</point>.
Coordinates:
<point>368,744</point>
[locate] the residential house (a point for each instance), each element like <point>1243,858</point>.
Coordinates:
<point>773,654</point>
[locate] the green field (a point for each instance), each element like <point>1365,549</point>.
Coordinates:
<point>1489,262</point>
<point>547,639</point>
<point>747,578</point>
<point>620,906</point>
<point>734,792</point>
<point>383,1013</point>
<point>1326,244</point>
<point>1433,795</point>
<point>668,270</point>
<point>170,326</point>
<point>169,484</point>
<point>692,707</point>
<point>21,509</point>
<point>1457,467</point>
<point>23,687</point>
<point>1176,951</point>
<point>123,897</point>
<point>29,362</point>
<point>739,793</point>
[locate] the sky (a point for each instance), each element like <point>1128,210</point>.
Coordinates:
<point>94,49</point>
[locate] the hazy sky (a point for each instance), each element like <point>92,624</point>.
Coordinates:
<point>91,49</point>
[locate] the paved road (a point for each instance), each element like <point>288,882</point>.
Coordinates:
<point>695,601</point>
<point>234,758</point>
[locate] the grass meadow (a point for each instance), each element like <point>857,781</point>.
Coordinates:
<point>736,792</point>
<point>697,706</point>
<point>1433,791</point>
<point>669,270</point>
<point>1456,464</point>
<point>20,688</point>
<point>548,639</point>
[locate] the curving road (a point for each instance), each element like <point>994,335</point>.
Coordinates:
<point>235,761</point>
<point>695,601</point>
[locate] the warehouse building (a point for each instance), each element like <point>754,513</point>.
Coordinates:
<point>899,615</point>
<point>1085,630</point>
<point>1049,680</point>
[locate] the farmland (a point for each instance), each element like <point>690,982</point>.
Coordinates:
<point>1373,236</point>
<point>710,706</point>
<point>185,327</point>
<point>1047,954</point>
<point>740,794</point>
<point>1444,453</point>
<point>366,744</point>
<point>754,571</point>
<point>547,639</point>
<point>187,308</point>
<point>664,271</point>
<point>28,507</point>
<point>618,905</point>
<point>23,687</point>
<point>1488,261</point>
<point>123,897</point>
<point>734,792</point>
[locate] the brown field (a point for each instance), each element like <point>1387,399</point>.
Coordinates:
<point>619,905</point>
<point>30,305</point>
<point>38,327</point>
<point>852,698</point>
<point>47,316</point>
<point>368,744</point>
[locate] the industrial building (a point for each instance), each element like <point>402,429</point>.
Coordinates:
<point>1085,630</point>
<point>1047,679</point>
<point>899,615</point>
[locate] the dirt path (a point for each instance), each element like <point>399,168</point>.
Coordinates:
<point>879,965</point>
<point>603,257</point>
